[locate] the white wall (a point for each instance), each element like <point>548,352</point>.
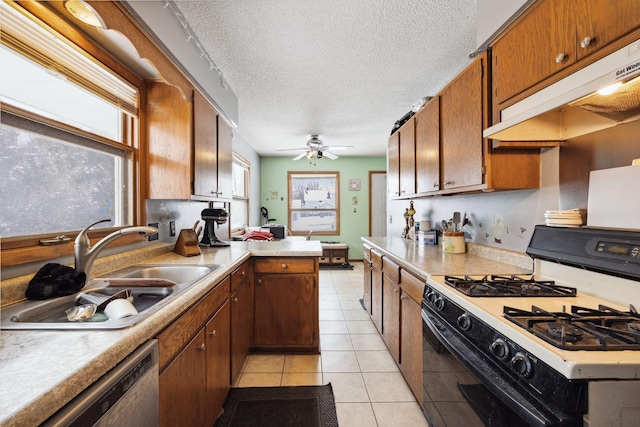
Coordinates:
<point>493,14</point>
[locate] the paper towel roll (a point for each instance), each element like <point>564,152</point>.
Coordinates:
<point>119,308</point>
<point>425,225</point>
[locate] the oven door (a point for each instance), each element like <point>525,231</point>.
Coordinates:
<point>463,387</point>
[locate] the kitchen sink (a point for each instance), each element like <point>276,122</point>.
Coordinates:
<point>152,287</point>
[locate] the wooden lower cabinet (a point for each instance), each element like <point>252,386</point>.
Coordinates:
<point>286,304</point>
<point>195,361</point>
<point>366,293</point>
<point>411,292</point>
<point>183,385</point>
<point>242,317</point>
<point>376,289</point>
<point>391,307</point>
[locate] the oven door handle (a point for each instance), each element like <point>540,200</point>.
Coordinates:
<point>484,370</point>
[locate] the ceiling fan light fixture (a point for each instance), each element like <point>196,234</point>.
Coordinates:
<point>310,154</point>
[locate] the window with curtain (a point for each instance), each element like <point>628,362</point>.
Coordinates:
<point>240,205</point>
<point>314,202</point>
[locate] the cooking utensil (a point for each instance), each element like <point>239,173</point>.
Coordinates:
<point>456,221</point>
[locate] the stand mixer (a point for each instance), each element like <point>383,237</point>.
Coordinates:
<point>212,218</point>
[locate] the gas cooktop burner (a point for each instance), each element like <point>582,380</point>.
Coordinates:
<point>583,328</point>
<point>508,286</point>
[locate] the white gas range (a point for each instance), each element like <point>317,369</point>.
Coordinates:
<point>561,348</point>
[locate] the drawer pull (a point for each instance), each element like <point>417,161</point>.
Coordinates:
<point>234,299</point>
<point>213,333</point>
<point>284,266</point>
<point>202,347</point>
<point>560,57</point>
<point>585,42</point>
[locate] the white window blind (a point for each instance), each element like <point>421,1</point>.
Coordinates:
<point>29,36</point>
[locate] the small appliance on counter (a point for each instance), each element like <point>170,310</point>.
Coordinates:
<point>213,217</point>
<point>613,198</point>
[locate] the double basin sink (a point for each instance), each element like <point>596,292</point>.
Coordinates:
<point>152,287</point>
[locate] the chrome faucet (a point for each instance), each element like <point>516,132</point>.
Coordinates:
<point>85,255</point>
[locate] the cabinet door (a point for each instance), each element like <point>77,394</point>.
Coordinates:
<point>376,297</point>
<point>461,108</point>
<point>529,52</point>
<point>218,351</point>
<point>241,326</point>
<point>169,152</point>
<point>602,21</point>
<point>286,310</point>
<point>393,166</point>
<point>408,158</point>
<point>412,289</point>
<point>366,294</point>
<point>183,387</point>
<point>205,131</point>
<point>428,147</point>
<point>225,159</point>
<point>391,316</point>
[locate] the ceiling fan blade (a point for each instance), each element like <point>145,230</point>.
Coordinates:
<point>299,156</point>
<point>339,147</point>
<point>329,155</point>
<point>292,149</point>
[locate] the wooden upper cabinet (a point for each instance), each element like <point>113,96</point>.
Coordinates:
<point>212,141</point>
<point>401,156</point>
<point>428,147</point>
<point>463,106</point>
<point>604,21</point>
<point>541,44</point>
<point>408,158</point>
<point>205,143</point>
<point>168,126</point>
<point>552,36</point>
<point>393,166</point>
<point>225,159</point>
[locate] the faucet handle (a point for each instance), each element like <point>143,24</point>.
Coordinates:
<point>83,239</point>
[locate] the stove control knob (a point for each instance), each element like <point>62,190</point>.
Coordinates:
<point>464,321</point>
<point>521,364</point>
<point>430,295</point>
<point>500,349</point>
<point>439,302</point>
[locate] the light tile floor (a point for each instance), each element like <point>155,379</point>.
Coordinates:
<point>368,387</point>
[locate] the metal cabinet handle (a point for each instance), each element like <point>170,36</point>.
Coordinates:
<point>585,42</point>
<point>435,185</point>
<point>202,347</point>
<point>284,266</point>
<point>259,281</point>
<point>234,299</point>
<point>446,183</point>
<point>213,333</point>
<point>242,273</point>
<point>560,57</point>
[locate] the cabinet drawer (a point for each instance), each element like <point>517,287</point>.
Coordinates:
<point>366,252</point>
<point>412,285</point>
<point>391,270</point>
<point>285,265</point>
<point>239,275</point>
<point>337,259</point>
<point>325,260</point>
<point>376,259</point>
<point>173,339</point>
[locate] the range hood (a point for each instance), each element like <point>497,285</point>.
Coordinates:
<point>572,106</point>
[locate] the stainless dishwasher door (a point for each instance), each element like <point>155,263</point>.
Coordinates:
<point>126,396</point>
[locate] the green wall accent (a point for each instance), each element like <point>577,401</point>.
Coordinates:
<point>353,225</point>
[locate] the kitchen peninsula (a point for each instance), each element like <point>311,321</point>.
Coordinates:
<point>42,370</point>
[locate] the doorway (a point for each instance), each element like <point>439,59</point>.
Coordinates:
<point>377,203</point>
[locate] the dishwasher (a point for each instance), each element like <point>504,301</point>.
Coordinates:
<point>126,396</point>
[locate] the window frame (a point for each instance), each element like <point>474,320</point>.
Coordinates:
<point>27,249</point>
<point>291,176</point>
<point>237,158</point>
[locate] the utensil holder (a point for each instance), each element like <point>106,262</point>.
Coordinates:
<point>453,242</point>
<point>187,243</point>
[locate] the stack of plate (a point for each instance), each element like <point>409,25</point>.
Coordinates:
<point>570,218</point>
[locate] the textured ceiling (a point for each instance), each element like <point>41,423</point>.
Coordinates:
<point>343,69</point>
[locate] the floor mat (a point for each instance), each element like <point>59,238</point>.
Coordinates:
<point>343,266</point>
<point>303,406</point>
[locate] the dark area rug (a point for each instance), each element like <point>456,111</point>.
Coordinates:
<point>343,266</point>
<point>303,406</point>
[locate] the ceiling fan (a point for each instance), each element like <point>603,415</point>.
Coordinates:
<point>316,149</point>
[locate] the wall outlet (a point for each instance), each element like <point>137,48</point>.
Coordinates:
<point>154,236</point>
<point>390,219</point>
<point>172,228</point>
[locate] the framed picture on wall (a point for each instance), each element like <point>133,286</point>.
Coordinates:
<point>354,184</point>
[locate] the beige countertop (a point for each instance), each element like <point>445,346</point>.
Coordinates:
<point>430,260</point>
<point>40,371</point>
